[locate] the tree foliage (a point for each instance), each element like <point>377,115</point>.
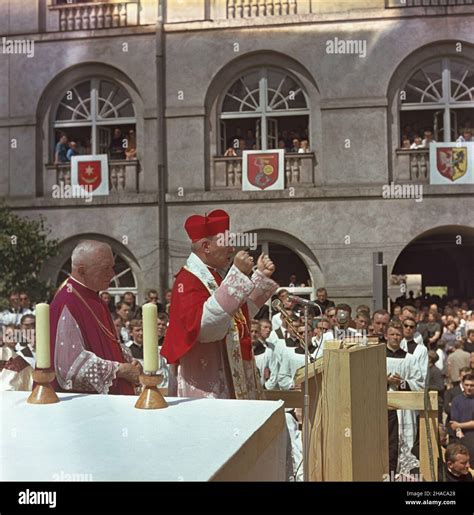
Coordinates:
<point>24,248</point>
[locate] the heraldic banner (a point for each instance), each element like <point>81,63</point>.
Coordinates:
<point>263,170</point>
<point>452,163</point>
<point>91,173</point>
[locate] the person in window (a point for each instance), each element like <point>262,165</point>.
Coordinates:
<point>292,282</point>
<point>230,152</point>
<point>295,145</point>
<point>285,137</point>
<point>81,149</point>
<point>281,144</point>
<point>238,134</point>
<point>60,152</point>
<point>72,151</point>
<point>417,142</point>
<point>250,140</point>
<point>406,144</point>
<point>304,148</point>
<point>241,147</point>
<point>88,147</point>
<point>131,151</point>
<point>116,148</point>
<point>408,132</point>
<point>465,137</point>
<point>428,138</point>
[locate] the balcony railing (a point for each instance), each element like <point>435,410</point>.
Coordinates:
<point>299,171</point>
<point>254,8</point>
<point>426,3</point>
<point>123,177</point>
<point>412,165</point>
<point>97,15</point>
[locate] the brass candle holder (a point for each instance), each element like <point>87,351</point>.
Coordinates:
<point>151,397</point>
<point>43,392</point>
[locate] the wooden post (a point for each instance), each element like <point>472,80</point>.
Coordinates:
<point>415,401</point>
<point>425,467</point>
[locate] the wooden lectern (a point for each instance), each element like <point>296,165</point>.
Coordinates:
<point>348,416</point>
<point>348,413</point>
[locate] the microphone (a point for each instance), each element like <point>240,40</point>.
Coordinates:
<point>277,304</point>
<point>342,317</point>
<point>303,302</point>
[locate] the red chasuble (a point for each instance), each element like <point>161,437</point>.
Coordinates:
<point>95,324</point>
<point>187,303</point>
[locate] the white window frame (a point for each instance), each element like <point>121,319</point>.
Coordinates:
<point>263,111</point>
<point>94,121</point>
<point>446,101</point>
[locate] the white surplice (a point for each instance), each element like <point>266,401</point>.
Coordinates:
<point>421,355</point>
<point>283,363</point>
<point>408,369</point>
<point>408,418</point>
<point>18,372</point>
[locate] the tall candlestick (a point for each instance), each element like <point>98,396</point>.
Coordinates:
<point>150,337</point>
<point>43,356</point>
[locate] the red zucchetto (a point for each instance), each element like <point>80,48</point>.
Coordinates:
<point>214,223</point>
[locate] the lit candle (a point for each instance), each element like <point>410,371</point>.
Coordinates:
<point>150,337</point>
<point>43,357</point>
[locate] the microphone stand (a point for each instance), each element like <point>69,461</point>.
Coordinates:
<point>306,439</point>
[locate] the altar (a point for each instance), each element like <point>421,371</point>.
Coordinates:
<point>104,438</point>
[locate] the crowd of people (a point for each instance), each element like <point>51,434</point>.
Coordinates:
<point>295,141</point>
<point>18,342</point>
<point>427,344</point>
<point>121,147</point>
<point>415,138</point>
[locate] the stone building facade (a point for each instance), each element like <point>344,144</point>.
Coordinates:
<point>193,77</point>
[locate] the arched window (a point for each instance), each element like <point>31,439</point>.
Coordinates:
<point>124,279</point>
<point>287,263</point>
<point>439,96</point>
<point>91,113</point>
<point>263,109</point>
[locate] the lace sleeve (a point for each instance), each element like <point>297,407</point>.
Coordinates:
<point>264,288</point>
<point>76,368</point>
<point>220,307</point>
<point>234,290</point>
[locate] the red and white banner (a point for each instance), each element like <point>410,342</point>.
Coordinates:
<point>91,173</point>
<point>263,170</point>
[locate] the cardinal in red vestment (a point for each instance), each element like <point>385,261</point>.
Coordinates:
<point>85,350</point>
<point>208,335</point>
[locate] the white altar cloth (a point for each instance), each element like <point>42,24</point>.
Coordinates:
<point>104,438</point>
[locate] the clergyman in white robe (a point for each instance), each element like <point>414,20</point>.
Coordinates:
<point>408,368</point>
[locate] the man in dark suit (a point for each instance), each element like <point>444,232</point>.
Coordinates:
<point>454,392</point>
